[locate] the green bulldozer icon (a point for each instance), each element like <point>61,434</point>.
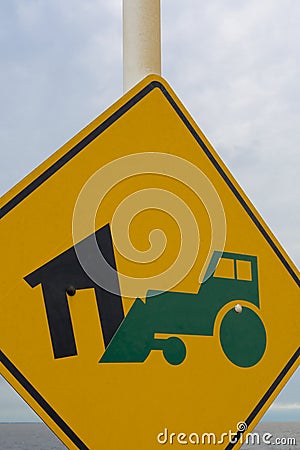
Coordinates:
<point>242,333</point>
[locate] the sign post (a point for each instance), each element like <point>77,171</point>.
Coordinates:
<point>141,40</point>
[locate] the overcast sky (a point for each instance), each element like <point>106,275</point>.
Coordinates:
<point>234,63</point>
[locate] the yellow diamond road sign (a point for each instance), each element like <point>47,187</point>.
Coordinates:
<point>144,302</point>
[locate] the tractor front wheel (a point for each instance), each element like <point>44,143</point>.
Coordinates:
<point>174,350</point>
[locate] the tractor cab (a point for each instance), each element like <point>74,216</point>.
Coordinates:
<point>234,277</point>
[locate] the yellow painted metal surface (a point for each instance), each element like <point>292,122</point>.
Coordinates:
<point>155,170</point>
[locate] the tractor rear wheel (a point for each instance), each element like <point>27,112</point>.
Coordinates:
<point>243,337</point>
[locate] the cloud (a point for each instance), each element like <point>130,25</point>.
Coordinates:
<point>62,67</point>
<point>236,66</point>
<point>279,406</point>
<point>12,407</point>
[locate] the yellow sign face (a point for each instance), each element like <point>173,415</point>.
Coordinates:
<point>144,302</point>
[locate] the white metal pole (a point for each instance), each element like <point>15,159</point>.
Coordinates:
<point>141,40</point>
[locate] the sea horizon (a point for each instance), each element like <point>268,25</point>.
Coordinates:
<point>36,435</point>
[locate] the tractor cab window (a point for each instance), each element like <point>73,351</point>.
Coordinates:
<point>244,271</point>
<point>234,269</point>
<point>225,268</point>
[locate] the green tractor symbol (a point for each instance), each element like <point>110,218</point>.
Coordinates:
<point>242,333</point>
